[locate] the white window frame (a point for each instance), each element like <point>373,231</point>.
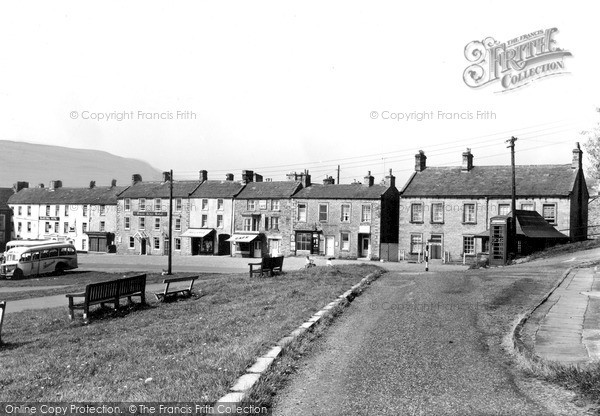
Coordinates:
<point>437,207</point>
<point>471,252</point>
<point>345,214</point>
<point>555,217</point>
<point>368,215</point>
<point>416,212</point>
<point>302,212</point>
<point>466,212</point>
<point>127,223</point>
<point>177,224</point>
<point>220,204</point>
<point>344,245</point>
<point>324,215</point>
<point>127,204</point>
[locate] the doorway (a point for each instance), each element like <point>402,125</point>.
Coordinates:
<point>365,246</point>
<point>143,246</point>
<point>436,247</point>
<point>330,246</point>
<point>257,249</point>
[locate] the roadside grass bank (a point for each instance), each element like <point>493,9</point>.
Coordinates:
<point>192,349</point>
<point>564,249</point>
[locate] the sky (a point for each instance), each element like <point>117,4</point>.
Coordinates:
<point>285,86</point>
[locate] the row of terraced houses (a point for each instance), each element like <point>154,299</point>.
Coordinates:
<point>254,217</point>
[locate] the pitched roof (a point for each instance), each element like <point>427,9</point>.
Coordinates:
<point>181,189</point>
<point>480,181</point>
<point>341,191</point>
<point>531,224</point>
<point>5,194</point>
<point>274,189</point>
<point>100,195</point>
<point>217,189</point>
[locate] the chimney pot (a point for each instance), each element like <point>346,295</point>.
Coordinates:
<point>328,180</point>
<point>92,184</point>
<point>166,176</point>
<point>229,177</point>
<point>369,179</point>
<point>135,178</point>
<point>203,175</point>
<point>390,180</point>
<point>247,176</point>
<point>113,183</point>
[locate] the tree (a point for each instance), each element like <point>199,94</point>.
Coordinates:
<point>591,139</point>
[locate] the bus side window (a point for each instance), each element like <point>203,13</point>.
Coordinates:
<point>53,253</point>
<point>44,254</point>
<point>64,251</point>
<point>35,256</point>
<point>26,257</point>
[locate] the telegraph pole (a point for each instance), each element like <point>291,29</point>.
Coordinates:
<point>170,249</point>
<point>513,202</point>
<point>338,175</point>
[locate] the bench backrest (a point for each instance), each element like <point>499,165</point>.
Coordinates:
<point>102,290</point>
<point>133,284</point>
<point>272,262</point>
<point>115,288</point>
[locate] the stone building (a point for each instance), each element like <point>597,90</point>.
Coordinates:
<point>211,216</point>
<point>450,206</point>
<point>357,220</point>
<point>143,216</point>
<point>85,217</point>
<point>5,217</point>
<point>262,216</point>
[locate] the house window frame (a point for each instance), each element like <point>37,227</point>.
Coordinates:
<point>472,244</point>
<point>465,212</point>
<point>142,223</point>
<point>347,210</point>
<point>142,204</point>
<point>157,204</point>
<point>413,244</point>
<point>178,204</point>
<point>274,224</point>
<point>156,243</point>
<point>177,224</point>
<point>366,218</point>
<point>127,204</point>
<point>262,204</point>
<point>102,226</point>
<point>323,214</point>
<point>416,215</point>
<point>555,209</point>
<point>84,210</point>
<point>220,204</point>
<point>127,223</point>
<point>302,212</point>
<point>157,224</point>
<point>177,245</point>
<point>131,243</point>
<point>506,206</point>
<point>532,204</point>
<point>434,209</point>
<point>219,220</point>
<point>102,209</point>
<point>302,243</point>
<point>204,204</point>
<point>344,241</point>
<point>275,205</point>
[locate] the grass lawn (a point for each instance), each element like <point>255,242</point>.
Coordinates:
<point>193,349</point>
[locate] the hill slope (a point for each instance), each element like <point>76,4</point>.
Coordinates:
<point>38,163</point>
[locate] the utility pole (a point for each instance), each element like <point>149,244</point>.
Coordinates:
<point>513,203</point>
<point>338,175</point>
<point>170,249</point>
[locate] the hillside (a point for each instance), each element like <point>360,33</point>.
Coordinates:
<point>38,163</point>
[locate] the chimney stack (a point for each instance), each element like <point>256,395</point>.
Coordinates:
<point>390,180</point>
<point>113,183</point>
<point>328,180</point>
<point>369,179</point>
<point>257,177</point>
<point>467,161</point>
<point>577,157</point>
<point>92,184</point>
<point>420,161</point>
<point>202,175</point>
<point>20,185</point>
<point>136,178</point>
<point>166,176</point>
<point>55,184</point>
<point>229,177</point>
<point>41,186</point>
<point>247,176</point>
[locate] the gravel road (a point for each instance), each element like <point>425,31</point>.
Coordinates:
<point>420,344</point>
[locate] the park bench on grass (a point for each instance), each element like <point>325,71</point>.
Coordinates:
<point>270,265</point>
<point>176,291</point>
<point>108,292</point>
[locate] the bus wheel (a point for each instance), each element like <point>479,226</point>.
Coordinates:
<point>17,274</point>
<point>60,268</point>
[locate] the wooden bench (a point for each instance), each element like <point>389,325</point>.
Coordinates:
<point>108,292</point>
<point>2,310</point>
<point>174,292</point>
<point>271,265</point>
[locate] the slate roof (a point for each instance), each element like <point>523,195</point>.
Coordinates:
<point>100,195</point>
<point>341,191</point>
<point>492,181</point>
<point>217,189</point>
<point>150,190</point>
<point>5,194</point>
<point>531,224</point>
<point>269,190</point>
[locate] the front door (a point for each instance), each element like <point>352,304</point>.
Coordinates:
<point>257,249</point>
<point>143,246</point>
<point>274,247</point>
<point>330,246</point>
<point>365,247</point>
<point>436,246</point>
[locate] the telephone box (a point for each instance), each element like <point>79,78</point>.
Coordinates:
<point>499,239</point>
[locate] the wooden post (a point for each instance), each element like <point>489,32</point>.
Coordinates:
<point>2,309</point>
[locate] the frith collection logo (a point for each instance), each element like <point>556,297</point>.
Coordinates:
<point>515,63</point>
